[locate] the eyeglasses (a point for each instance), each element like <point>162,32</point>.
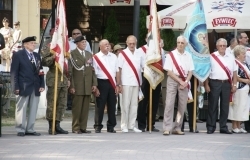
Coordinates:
<point>222,45</point>
<point>180,43</point>
<point>75,33</point>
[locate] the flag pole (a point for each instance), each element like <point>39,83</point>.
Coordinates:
<point>55,99</point>
<point>150,110</point>
<point>195,104</point>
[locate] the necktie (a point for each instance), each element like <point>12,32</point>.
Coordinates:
<point>83,54</point>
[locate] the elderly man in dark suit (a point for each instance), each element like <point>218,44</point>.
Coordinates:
<point>28,81</point>
<point>83,82</point>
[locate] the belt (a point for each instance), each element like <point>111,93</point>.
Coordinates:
<point>220,80</point>
<point>102,79</point>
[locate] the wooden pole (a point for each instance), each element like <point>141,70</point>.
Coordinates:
<point>195,104</point>
<point>150,110</point>
<point>55,100</point>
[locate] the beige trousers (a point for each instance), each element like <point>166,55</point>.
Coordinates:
<point>172,88</point>
<point>129,106</point>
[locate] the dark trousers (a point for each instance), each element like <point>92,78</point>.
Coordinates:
<point>190,110</point>
<point>218,90</point>
<point>107,96</point>
<point>247,125</point>
<point>143,108</point>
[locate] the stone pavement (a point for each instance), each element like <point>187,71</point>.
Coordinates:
<point>123,146</point>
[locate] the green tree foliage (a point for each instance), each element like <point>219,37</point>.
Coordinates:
<point>112,29</point>
<point>169,39</point>
<point>143,27</point>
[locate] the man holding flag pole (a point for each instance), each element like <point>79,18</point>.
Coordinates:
<point>153,70</point>
<point>60,47</point>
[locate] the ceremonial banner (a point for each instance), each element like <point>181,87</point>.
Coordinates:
<point>153,70</point>
<point>60,43</point>
<point>196,34</point>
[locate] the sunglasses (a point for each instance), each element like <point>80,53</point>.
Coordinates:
<point>75,33</point>
<point>180,42</point>
<point>222,45</point>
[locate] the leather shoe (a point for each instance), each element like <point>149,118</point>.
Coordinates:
<point>210,132</point>
<point>225,132</point>
<point>143,130</point>
<point>199,121</point>
<point>111,131</point>
<point>97,131</point>
<point>85,131</point>
<point>77,132</point>
<point>33,134</point>
<point>21,134</point>
<point>154,130</point>
<point>178,132</point>
<point>166,133</point>
<point>196,131</point>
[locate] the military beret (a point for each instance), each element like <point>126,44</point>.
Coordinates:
<point>79,39</point>
<point>28,39</point>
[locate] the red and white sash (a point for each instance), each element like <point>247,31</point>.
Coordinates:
<point>135,72</point>
<point>180,71</point>
<point>226,70</point>
<point>111,80</point>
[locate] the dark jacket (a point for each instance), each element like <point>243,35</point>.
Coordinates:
<point>24,77</point>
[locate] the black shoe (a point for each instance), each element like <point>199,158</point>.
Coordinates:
<point>154,130</point>
<point>196,131</point>
<point>21,134</point>
<point>210,132</point>
<point>157,120</point>
<point>59,130</point>
<point>97,131</point>
<point>225,132</point>
<point>111,131</point>
<point>33,134</point>
<point>248,131</point>
<point>77,132</point>
<point>160,117</point>
<point>50,128</point>
<point>198,121</point>
<point>143,130</point>
<point>85,131</point>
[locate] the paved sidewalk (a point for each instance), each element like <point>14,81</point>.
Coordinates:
<point>123,146</point>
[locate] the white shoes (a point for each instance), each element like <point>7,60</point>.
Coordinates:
<point>236,130</point>
<point>136,130</point>
<point>125,130</point>
<point>241,130</point>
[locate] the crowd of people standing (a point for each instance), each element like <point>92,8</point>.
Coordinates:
<point>115,79</point>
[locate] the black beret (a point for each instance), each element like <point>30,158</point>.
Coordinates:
<point>28,39</point>
<point>79,39</point>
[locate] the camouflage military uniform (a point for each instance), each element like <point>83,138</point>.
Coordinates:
<point>62,89</point>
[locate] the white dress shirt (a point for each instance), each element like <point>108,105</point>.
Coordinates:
<point>228,61</point>
<point>229,50</point>
<point>72,46</point>
<point>109,61</point>
<point>248,55</point>
<point>184,61</point>
<point>128,77</point>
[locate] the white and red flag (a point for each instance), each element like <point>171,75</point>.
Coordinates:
<point>60,44</point>
<point>153,70</point>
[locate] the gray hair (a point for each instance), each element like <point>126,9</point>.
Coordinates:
<point>233,40</point>
<point>103,40</point>
<point>182,37</point>
<point>221,40</point>
<point>239,49</point>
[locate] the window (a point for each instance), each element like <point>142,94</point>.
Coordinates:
<point>5,4</point>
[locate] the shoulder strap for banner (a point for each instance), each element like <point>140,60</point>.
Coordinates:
<point>132,66</point>
<point>144,49</point>
<point>105,71</point>
<point>177,66</point>
<point>243,68</point>
<point>223,67</point>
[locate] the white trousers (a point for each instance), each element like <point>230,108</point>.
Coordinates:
<point>129,106</point>
<point>21,107</point>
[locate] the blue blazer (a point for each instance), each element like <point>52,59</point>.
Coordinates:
<point>25,77</point>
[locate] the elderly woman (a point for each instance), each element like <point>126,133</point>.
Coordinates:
<point>239,111</point>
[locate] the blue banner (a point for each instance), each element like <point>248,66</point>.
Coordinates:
<point>196,34</point>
